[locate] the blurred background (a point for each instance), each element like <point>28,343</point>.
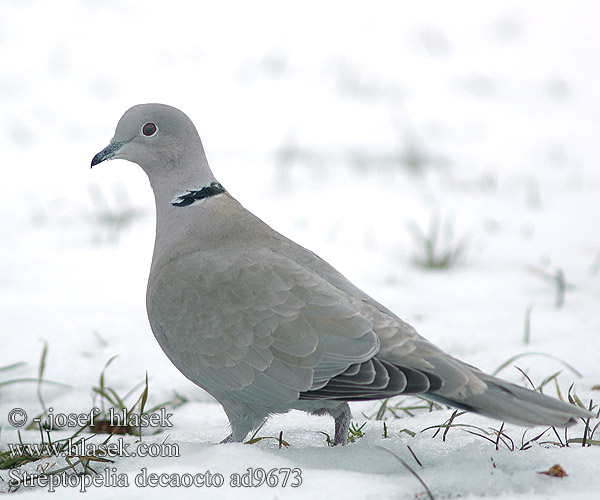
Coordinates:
<point>443,155</point>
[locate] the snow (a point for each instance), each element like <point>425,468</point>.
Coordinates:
<point>340,125</point>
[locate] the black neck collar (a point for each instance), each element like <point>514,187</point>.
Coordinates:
<point>191,197</point>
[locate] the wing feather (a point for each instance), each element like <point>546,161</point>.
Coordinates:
<point>273,329</point>
<point>264,328</point>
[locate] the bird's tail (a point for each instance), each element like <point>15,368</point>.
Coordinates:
<point>510,403</point>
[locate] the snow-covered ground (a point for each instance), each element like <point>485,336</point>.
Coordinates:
<point>342,125</point>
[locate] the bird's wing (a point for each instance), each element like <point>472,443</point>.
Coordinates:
<point>426,367</point>
<point>256,323</point>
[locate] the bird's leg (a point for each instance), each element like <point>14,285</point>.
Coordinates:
<point>341,416</point>
<point>236,436</point>
<point>242,424</point>
<point>228,439</point>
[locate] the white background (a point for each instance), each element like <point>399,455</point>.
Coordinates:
<point>339,124</point>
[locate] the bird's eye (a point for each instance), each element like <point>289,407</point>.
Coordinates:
<point>149,129</point>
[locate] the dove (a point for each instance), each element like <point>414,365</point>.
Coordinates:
<point>265,325</point>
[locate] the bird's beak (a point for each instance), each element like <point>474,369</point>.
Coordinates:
<point>108,152</point>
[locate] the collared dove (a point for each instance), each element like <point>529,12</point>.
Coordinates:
<point>265,325</point>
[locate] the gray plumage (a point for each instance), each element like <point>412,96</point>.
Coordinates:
<point>265,325</point>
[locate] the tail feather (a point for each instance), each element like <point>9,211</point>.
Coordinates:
<point>510,403</point>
